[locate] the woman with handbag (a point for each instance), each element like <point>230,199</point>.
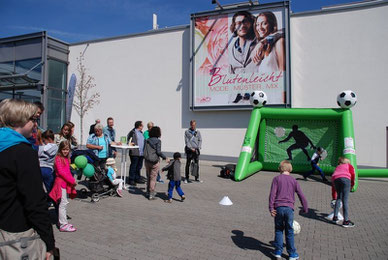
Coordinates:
<point>152,153</point>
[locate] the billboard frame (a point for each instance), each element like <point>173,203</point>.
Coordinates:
<point>225,11</point>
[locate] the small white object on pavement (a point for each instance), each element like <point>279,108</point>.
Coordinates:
<point>226,201</point>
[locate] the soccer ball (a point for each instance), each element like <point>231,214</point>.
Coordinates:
<point>346,99</point>
<point>280,131</point>
<point>296,227</point>
<point>258,98</point>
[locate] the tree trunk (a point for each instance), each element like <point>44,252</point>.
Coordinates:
<point>82,126</point>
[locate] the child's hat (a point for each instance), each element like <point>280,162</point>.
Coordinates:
<point>110,161</point>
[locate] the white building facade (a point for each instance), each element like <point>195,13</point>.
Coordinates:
<point>146,77</point>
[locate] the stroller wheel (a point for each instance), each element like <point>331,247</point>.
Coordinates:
<point>83,193</point>
<point>95,197</point>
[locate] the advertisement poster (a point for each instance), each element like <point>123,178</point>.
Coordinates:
<point>237,53</point>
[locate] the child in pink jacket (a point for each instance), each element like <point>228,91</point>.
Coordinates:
<point>343,181</point>
<point>64,184</point>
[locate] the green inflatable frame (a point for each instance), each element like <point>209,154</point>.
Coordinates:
<point>256,130</point>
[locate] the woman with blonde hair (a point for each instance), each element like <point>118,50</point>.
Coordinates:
<point>23,206</point>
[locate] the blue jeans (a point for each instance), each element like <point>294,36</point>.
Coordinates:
<point>283,221</point>
<point>342,186</point>
<point>48,178</point>
<point>177,185</point>
<point>314,167</point>
<point>135,167</point>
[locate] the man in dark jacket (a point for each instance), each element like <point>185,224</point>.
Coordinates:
<point>25,227</point>
<point>136,137</point>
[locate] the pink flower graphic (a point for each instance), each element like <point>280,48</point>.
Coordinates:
<point>215,43</point>
<point>203,24</point>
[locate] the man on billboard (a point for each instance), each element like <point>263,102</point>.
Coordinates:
<point>241,48</point>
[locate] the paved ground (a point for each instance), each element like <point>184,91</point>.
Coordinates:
<point>199,228</point>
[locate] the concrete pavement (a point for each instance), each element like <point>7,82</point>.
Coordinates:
<point>199,228</point>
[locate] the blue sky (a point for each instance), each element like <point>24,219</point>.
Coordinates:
<point>80,20</point>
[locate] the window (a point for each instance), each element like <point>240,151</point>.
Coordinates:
<point>56,94</point>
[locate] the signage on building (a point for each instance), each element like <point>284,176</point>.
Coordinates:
<point>237,50</point>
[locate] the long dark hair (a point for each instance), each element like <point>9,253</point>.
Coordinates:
<point>69,126</point>
<point>247,16</point>
<point>271,20</point>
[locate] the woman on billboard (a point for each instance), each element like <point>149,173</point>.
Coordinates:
<point>269,53</point>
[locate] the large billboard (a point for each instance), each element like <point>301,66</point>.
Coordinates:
<point>236,51</point>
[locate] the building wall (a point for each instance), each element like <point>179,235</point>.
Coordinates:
<point>146,77</point>
<point>346,49</point>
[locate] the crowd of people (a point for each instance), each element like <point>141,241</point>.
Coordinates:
<point>35,170</point>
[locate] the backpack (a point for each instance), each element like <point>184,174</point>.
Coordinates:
<point>227,171</point>
<point>150,153</point>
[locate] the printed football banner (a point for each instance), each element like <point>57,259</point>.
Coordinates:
<point>296,139</point>
<point>237,53</point>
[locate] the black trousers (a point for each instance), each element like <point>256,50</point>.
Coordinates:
<point>190,155</point>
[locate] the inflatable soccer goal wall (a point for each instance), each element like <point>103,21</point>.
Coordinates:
<point>276,134</point>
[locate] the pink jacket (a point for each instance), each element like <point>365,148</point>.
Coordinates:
<point>63,179</point>
<point>345,170</point>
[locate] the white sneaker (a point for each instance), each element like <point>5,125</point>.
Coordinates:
<point>185,181</point>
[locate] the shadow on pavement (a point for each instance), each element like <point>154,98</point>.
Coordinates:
<point>137,190</point>
<point>141,191</point>
<point>314,214</point>
<point>250,243</point>
<point>162,195</point>
<point>316,178</point>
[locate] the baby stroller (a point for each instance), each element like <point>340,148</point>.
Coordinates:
<point>98,185</point>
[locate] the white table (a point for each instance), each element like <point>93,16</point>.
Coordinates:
<point>124,149</point>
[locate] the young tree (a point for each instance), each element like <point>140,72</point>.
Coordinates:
<point>83,99</point>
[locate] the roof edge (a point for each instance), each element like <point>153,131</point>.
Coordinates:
<point>163,30</point>
<point>343,7</point>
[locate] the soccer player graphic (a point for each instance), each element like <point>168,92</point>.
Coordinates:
<point>301,142</point>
